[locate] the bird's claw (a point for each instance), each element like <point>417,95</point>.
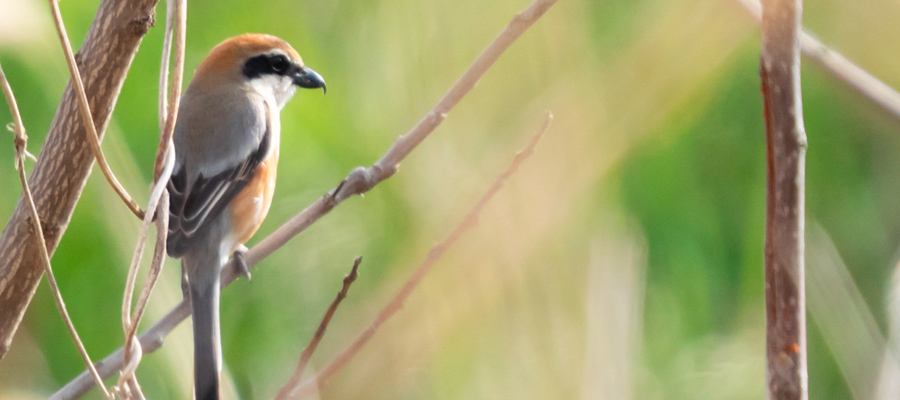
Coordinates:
<point>241,262</point>
<point>185,285</point>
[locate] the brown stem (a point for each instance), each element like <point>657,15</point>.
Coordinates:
<point>64,162</point>
<point>785,182</point>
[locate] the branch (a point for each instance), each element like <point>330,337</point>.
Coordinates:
<point>786,154</point>
<point>65,160</point>
<point>175,9</point>
<point>842,68</point>
<point>311,386</point>
<point>38,233</point>
<point>359,181</point>
<point>320,333</point>
<point>93,136</point>
<point>165,161</point>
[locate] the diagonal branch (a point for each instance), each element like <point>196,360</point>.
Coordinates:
<point>785,185</point>
<point>320,332</point>
<point>359,181</point>
<point>92,135</point>
<point>312,385</point>
<point>38,233</point>
<point>861,80</point>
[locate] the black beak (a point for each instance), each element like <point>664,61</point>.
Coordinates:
<point>309,79</point>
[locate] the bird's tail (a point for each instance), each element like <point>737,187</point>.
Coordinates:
<point>204,288</point>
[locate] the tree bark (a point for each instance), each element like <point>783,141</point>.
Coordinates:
<point>785,184</point>
<point>65,160</point>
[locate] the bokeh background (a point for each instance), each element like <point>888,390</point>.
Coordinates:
<point>624,261</point>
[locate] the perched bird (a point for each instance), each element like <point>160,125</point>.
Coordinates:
<point>226,146</point>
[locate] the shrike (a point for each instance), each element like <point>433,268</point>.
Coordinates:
<point>226,146</point>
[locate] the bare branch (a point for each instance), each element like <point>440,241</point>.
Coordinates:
<point>842,68</point>
<point>177,16</point>
<point>320,333</point>
<point>158,189</point>
<point>65,160</point>
<point>92,136</point>
<point>38,233</point>
<point>359,181</point>
<point>785,184</point>
<point>164,64</point>
<point>312,385</point>
<point>159,199</point>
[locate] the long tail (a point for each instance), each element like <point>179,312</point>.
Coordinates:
<point>204,289</point>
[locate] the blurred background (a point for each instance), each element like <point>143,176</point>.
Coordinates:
<point>624,261</point>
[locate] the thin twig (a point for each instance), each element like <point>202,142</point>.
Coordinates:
<point>785,184</point>
<point>839,66</point>
<point>164,64</point>
<point>359,181</point>
<point>159,200</point>
<point>168,128</point>
<point>159,254</point>
<point>320,333</point>
<point>311,386</point>
<point>92,135</point>
<point>20,144</point>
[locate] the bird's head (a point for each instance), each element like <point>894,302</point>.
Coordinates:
<point>264,63</point>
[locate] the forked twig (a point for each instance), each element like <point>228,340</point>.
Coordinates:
<point>320,332</point>
<point>359,181</point>
<point>38,232</point>
<point>92,135</point>
<point>310,386</point>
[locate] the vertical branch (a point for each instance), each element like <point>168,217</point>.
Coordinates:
<point>177,17</point>
<point>785,181</point>
<point>176,21</point>
<point>38,233</point>
<point>164,64</point>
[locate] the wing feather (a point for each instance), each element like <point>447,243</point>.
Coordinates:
<point>192,209</point>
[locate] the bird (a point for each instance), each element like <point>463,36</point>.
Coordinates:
<point>226,139</point>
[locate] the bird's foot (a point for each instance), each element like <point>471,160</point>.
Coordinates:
<point>185,285</point>
<point>241,262</point>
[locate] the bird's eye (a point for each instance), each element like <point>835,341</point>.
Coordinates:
<point>279,63</point>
